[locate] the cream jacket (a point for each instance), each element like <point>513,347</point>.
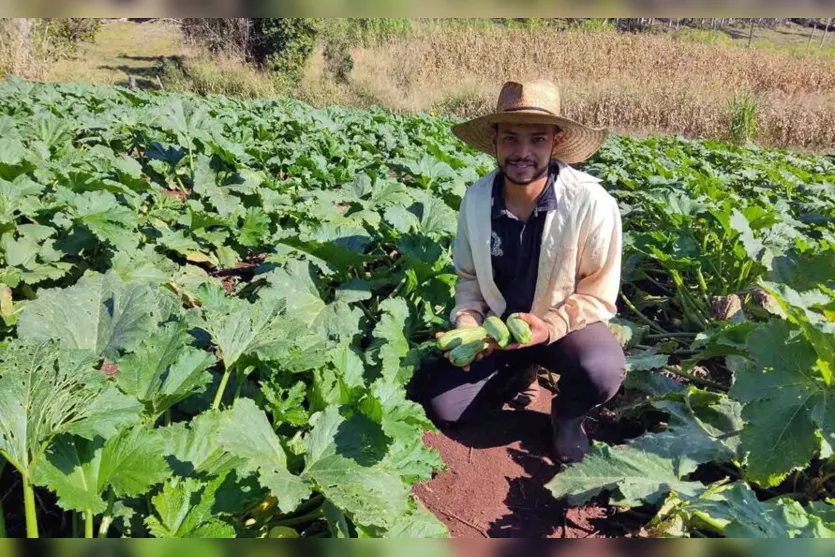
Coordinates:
<point>579,264</point>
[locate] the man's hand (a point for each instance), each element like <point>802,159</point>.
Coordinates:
<point>469,321</point>
<point>481,355</point>
<point>539,332</point>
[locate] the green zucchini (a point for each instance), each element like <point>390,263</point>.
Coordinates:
<point>497,330</point>
<point>519,328</point>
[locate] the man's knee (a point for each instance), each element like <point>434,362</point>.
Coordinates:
<point>604,373</point>
<point>448,407</point>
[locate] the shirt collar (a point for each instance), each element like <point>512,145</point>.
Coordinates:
<point>547,199</point>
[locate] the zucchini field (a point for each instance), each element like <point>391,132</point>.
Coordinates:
<point>212,309</point>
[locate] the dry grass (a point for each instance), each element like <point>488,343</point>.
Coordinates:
<point>14,59</point>
<point>220,75</point>
<point>679,82</point>
<point>640,82</point>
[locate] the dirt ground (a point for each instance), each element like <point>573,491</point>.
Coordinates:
<point>495,483</point>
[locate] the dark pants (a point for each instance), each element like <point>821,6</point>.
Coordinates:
<point>589,361</point>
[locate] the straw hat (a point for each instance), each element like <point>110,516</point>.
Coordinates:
<point>536,102</point>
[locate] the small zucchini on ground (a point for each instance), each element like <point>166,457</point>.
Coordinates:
<point>457,337</point>
<point>497,330</point>
<point>519,328</point>
<point>463,355</point>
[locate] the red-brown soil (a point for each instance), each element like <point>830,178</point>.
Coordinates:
<point>495,482</point>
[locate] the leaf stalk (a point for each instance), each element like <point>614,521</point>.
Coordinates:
<point>30,509</point>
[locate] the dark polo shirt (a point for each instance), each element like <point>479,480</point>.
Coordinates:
<point>515,245</point>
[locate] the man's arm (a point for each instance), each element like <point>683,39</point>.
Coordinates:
<point>596,292</point>
<point>470,306</point>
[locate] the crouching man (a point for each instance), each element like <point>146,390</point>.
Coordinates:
<point>540,238</point>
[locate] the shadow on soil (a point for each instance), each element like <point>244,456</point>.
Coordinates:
<point>534,512</point>
<point>144,75</point>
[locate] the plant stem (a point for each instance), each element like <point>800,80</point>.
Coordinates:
<point>167,417</point>
<point>88,524</point>
<point>729,471</point>
<point>107,518</point>
<point>222,387</point>
<point>743,275</point>
<point>324,534</point>
<point>690,308</point>
<point>670,335</point>
<point>703,285</point>
<point>640,315</point>
<point>2,521</point>
<point>663,288</point>
<point>314,503</point>
<point>238,385</point>
<point>697,380</point>
<point>298,520</point>
<point>2,514</point>
<point>29,508</point>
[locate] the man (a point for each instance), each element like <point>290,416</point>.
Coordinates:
<point>543,239</point>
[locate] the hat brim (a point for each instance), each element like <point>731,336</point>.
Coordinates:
<point>579,143</point>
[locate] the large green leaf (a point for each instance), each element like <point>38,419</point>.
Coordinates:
<point>35,261</point>
<point>803,272</point>
<point>633,475</point>
<point>184,509</point>
<point>80,470</point>
<point>255,228</point>
<point>733,510</point>
<point>418,523</point>
<point>803,309</point>
<point>391,347</point>
<point>295,287</point>
<point>785,400</point>
<point>404,421</point>
<point>106,218</point>
<point>753,246</point>
<point>333,247</point>
<point>194,448</point>
<point>185,118</point>
<point>100,313</point>
<point>737,510</point>
<point>263,328</point>
<point>344,461</point>
<point>245,432</point>
<point>46,391</point>
<point>164,369</point>
<point>205,184</point>
<point>697,431</point>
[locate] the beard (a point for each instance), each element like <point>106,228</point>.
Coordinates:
<point>525,177</point>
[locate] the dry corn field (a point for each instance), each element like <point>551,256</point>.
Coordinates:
<point>635,83</point>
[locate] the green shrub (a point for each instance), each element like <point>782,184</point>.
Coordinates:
<point>595,24</point>
<point>706,36</point>
<point>365,31</point>
<point>284,45</point>
<point>67,33</point>
<point>217,77</point>
<point>281,45</point>
<point>744,121</point>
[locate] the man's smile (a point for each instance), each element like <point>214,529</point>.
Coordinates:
<point>521,165</point>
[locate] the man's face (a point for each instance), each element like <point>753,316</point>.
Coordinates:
<point>523,151</point>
